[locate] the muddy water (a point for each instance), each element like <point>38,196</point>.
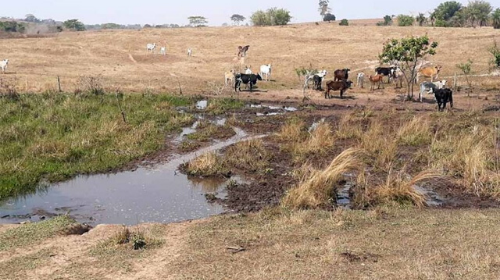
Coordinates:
<point>159,194</point>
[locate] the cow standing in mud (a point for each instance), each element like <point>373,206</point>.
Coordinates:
<point>343,86</point>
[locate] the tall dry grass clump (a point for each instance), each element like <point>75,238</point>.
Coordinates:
<point>380,145</point>
<point>318,188</point>
<point>248,155</point>
<point>415,132</point>
<point>209,164</point>
<point>293,131</point>
<point>349,128</point>
<point>318,142</point>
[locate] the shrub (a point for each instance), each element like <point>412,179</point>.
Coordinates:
<point>272,16</point>
<point>329,17</point>
<point>344,22</point>
<point>404,20</point>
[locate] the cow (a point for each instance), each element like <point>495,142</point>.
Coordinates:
<point>430,88</point>
<point>398,76</point>
<point>3,65</point>
<point>229,77</point>
<point>443,96</point>
<point>341,74</point>
<point>247,79</point>
<point>429,72</point>
<point>190,52</point>
<point>376,79</point>
<point>248,71</point>
<point>265,70</point>
<point>242,51</point>
<point>151,47</point>
<point>318,79</point>
<point>337,85</point>
<point>360,80</point>
<point>386,72</point>
<point>163,51</point>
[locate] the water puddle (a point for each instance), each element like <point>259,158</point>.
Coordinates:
<point>160,194</point>
<point>272,109</point>
<point>343,194</point>
<point>201,105</point>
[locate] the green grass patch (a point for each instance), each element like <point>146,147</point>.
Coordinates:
<point>222,105</point>
<point>33,233</point>
<point>53,137</point>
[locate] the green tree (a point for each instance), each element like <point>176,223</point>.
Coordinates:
<point>421,19</point>
<point>259,18</point>
<point>324,9</point>
<point>273,16</point>
<point>478,12</point>
<point>197,21</point>
<point>407,53</point>
<point>404,20</point>
<point>344,22</point>
<point>281,16</point>
<point>31,18</point>
<point>387,21</point>
<point>237,19</point>
<point>12,26</point>
<point>466,68</point>
<point>329,17</point>
<point>74,24</point>
<point>495,19</point>
<point>111,26</point>
<point>495,51</point>
<point>445,11</point>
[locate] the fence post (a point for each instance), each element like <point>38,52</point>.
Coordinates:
<point>59,83</point>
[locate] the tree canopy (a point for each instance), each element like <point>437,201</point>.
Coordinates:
<point>197,21</point>
<point>404,20</point>
<point>237,19</point>
<point>74,24</point>
<point>272,16</point>
<point>495,19</point>
<point>445,11</point>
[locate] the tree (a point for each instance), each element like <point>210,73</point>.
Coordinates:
<point>237,19</point>
<point>12,26</point>
<point>74,24</point>
<point>197,21</point>
<point>273,16</point>
<point>407,53</point>
<point>421,19</point>
<point>387,21</point>
<point>495,19</point>
<point>466,68</point>
<point>31,18</point>
<point>329,17</point>
<point>478,12</point>
<point>445,11</point>
<point>404,20</point>
<point>323,8</point>
<point>344,22</point>
<point>495,51</point>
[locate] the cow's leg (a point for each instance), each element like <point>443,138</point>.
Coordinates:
<point>341,94</point>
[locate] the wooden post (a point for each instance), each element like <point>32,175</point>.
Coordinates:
<point>59,83</point>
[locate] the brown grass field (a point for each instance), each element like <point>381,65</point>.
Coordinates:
<point>121,60</point>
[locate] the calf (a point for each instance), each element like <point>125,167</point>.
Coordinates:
<point>3,65</point>
<point>337,85</point>
<point>443,96</point>
<point>430,88</point>
<point>190,52</point>
<point>341,74</point>
<point>318,80</point>
<point>151,47</point>
<point>265,70</point>
<point>429,72</point>
<point>360,80</point>
<point>229,77</point>
<point>376,79</point>
<point>386,72</point>
<point>247,79</point>
<point>248,71</point>
<point>163,51</point>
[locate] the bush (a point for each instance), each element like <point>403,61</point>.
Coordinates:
<point>329,17</point>
<point>12,26</point>
<point>404,20</point>
<point>74,24</point>
<point>273,16</point>
<point>344,22</point>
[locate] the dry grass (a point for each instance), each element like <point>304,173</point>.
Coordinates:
<point>415,132</point>
<point>318,189</point>
<point>380,145</point>
<point>208,164</point>
<point>248,155</point>
<point>293,131</point>
<point>349,128</point>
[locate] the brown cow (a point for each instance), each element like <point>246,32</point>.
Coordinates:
<point>429,72</point>
<point>376,79</point>
<point>341,74</point>
<point>337,85</point>
<point>242,51</point>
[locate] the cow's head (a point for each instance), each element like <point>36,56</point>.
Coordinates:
<point>438,68</point>
<point>348,83</point>
<point>259,77</point>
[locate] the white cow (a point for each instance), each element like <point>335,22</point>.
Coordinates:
<point>163,51</point>
<point>360,80</point>
<point>265,70</point>
<point>3,65</point>
<point>151,47</point>
<point>430,87</point>
<point>229,77</point>
<point>248,71</point>
<point>190,52</point>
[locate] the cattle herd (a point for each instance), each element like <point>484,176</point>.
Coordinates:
<point>340,82</point>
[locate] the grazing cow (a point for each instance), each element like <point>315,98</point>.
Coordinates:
<point>242,51</point>
<point>163,51</point>
<point>341,74</point>
<point>247,79</point>
<point>443,96</point>
<point>190,52</point>
<point>229,77</point>
<point>377,79</point>
<point>265,70</point>
<point>386,72</point>
<point>248,71</point>
<point>360,80</point>
<point>3,65</point>
<point>337,85</point>
<point>430,87</point>
<point>151,47</point>
<point>429,72</point>
<point>318,79</point>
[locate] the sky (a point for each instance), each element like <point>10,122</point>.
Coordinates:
<point>216,11</point>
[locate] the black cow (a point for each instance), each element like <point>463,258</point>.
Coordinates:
<point>443,96</point>
<point>389,72</point>
<point>337,85</point>
<point>317,82</point>
<point>341,74</point>
<point>247,79</point>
